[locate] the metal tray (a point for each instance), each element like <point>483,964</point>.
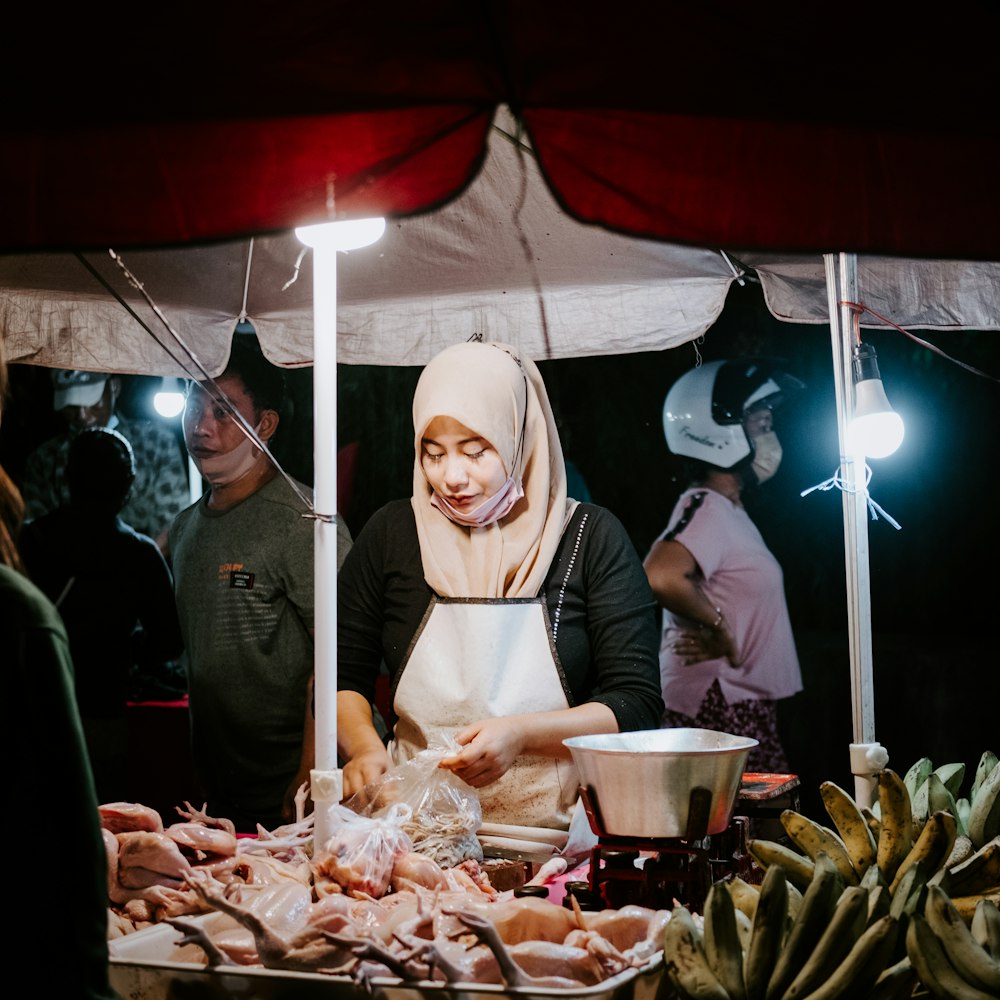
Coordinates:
<point>149,965</point>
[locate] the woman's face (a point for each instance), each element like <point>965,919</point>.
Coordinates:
<point>460,466</point>
<point>758,420</point>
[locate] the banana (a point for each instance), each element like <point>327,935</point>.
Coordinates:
<point>909,895</point>
<point>964,807</point>
<point>895,982</point>
<point>794,904</point>
<point>684,959</point>
<point>973,963</point>
<point>743,894</point>
<point>874,823</point>
<point>850,823</point>
<point>962,851</point>
<point>932,848</point>
<point>985,926</point>
<point>977,873</point>
<point>916,774</point>
<point>744,925</point>
<point>936,972</point>
<point>984,813</point>
<point>846,925</point>
<point>939,799</point>
<point>987,762</point>
<point>966,905</point>
<point>951,776</point>
<point>879,903</point>
<point>797,867</point>
<point>723,948</point>
<point>818,902</point>
<point>872,878</point>
<point>811,838</point>
<point>921,808</point>
<point>863,964</point>
<point>768,933</point>
<point>896,832</point>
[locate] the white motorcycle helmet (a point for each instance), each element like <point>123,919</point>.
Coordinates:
<point>703,410</point>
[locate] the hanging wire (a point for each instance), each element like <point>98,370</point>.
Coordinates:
<point>246,284</point>
<point>860,307</point>
<point>190,363</point>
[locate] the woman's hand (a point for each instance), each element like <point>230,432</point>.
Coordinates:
<point>696,645</point>
<point>365,768</point>
<point>489,747</point>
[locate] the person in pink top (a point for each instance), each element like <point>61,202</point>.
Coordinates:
<point>727,653</point>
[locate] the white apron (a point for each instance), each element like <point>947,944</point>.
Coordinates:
<point>483,658</point>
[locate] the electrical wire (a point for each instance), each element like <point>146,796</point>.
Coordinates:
<point>859,308</point>
<point>188,356</point>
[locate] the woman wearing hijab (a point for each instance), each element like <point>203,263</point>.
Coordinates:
<point>510,616</point>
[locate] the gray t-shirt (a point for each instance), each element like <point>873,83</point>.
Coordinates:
<point>244,586</point>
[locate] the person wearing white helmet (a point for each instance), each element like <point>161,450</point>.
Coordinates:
<point>727,653</point>
<point>90,399</point>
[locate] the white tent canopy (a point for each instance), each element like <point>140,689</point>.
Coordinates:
<point>502,260</point>
<point>493,262</point>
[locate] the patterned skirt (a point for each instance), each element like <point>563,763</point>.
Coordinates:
<point>756,718</point>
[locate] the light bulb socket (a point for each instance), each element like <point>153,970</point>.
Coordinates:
<point>864,364</point>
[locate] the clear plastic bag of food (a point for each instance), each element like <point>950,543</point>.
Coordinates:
<point>444,811</point>
<point>360,853</point>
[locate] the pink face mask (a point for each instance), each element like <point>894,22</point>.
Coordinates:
<point>488,512</point>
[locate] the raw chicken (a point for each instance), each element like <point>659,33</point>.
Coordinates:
<point>122,817</point>
<point>199,841</point>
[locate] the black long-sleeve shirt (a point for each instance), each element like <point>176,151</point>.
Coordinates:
<point>599,605</point>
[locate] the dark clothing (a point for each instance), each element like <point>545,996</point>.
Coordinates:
<point>753,717</point>
<point>599,604</point>
<point>114,592</point>
<point>55,776</point>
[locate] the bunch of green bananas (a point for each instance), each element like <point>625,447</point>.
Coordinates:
<point>884,902</point>
<point>892,843</point>
<point>834,941</point>
<point>933,789</point>
<point>774,943</point>
<point>955,961</point>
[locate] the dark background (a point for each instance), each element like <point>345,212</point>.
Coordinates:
<point>933,583</point>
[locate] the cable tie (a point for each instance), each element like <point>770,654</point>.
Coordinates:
<point>837,481</point>
<point>315,515</point>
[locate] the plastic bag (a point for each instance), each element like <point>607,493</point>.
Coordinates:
<point>444,811</point>
<point>361,852</point>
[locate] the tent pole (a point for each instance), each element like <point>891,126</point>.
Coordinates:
<point>326,780</point>
<point>866,755</point>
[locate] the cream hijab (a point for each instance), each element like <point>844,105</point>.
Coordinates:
<point>496,393</point>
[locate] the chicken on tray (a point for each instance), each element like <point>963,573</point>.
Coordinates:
<point>364,905</point>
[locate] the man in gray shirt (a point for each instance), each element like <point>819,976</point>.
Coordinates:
<point>243,571</point>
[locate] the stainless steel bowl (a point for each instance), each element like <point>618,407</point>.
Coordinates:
<point>642,782</point>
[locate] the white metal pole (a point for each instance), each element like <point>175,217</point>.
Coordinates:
<point>867,756</point>
<point>327,780</point>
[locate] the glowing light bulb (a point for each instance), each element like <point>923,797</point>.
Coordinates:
<point>169,398</point>
<point>875,429</point>
<point>351,234</point>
